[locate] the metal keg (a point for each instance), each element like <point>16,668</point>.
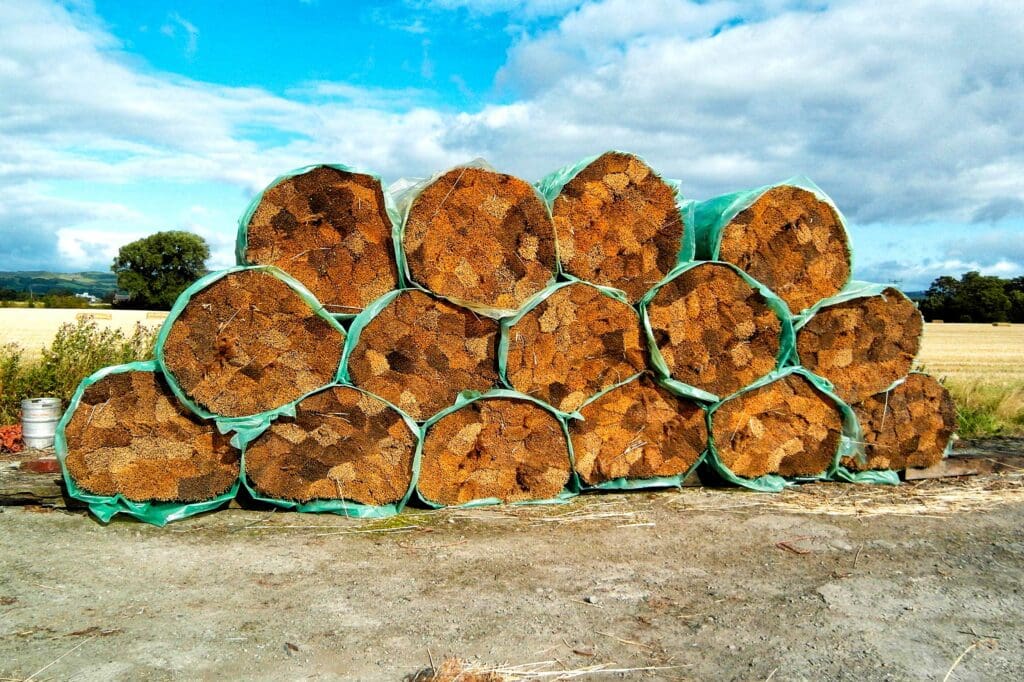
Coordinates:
<point>39,417</point>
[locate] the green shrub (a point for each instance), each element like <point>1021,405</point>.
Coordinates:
<point>77,351</point>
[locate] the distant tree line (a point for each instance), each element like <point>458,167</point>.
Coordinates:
<point>54,298</point>
<point>974,298</point>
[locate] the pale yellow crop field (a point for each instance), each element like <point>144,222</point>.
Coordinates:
<point>974,352</point>
<point>34,328</point>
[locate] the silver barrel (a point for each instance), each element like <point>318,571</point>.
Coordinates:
<point>39,417</point>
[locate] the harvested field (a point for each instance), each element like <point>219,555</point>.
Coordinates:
<point>330,230</point>
<point>480,238</point>
<point>130,437</point>
<point>420,352</point>
<point>618,224</point>
<point>34,328</point>
<point>713,330</point>
<point>791,242</point>
<point>248,343</point>
<point>637,430</point>
<point>500,448</point>
<point>862,345</point>
<point>973,352</point>
<point>786,427</point>
<point>573,344</point>
<point>342,444</point>
<point>908,426</point>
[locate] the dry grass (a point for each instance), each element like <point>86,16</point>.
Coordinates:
<point>33,328</point>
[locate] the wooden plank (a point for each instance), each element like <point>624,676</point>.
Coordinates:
<point>968,465</point>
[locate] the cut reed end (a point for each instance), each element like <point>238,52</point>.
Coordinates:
<point>129,436</point>
<point>909,426</point>
<point>342,444</point>
<point>420,352</point>
<point>714,330</point>
<point>637,430</point>
<point>618,224</point>
<point>573,344</point>
<point>787,427</point>
<point>248,343</point>
<point>330,230</point>
<point>480,237</point>
<point>792,242</point>
<point>862,346</point>
<point>500,448</point>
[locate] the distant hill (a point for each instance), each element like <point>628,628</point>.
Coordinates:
<point>916,296</point>
<point>40,282</point>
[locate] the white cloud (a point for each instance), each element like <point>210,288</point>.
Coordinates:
<point>177,24</point>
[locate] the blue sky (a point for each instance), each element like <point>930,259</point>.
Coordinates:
<point>118,119</point>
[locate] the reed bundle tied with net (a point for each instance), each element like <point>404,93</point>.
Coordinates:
<point>129,436</point>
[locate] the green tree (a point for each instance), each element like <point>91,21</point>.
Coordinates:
<point>982,298</point>
<point>938,300</point>
<point>154,270</point>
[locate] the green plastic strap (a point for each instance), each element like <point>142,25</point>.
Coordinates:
<point>105,507</point>
<point>242,234</point>
<point>852,291</point>
<point>342,507</point>
<point>404,198</point>
<point>572,486</point>
<point>787,337</point>
<point>550,186</point>
<point>249,422</point>
<point>711,216</point>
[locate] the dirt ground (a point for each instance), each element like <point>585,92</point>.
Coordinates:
<point>827,581</point>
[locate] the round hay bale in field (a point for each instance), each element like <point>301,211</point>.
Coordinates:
<point>504,448</point>
<point>342,444</point>
<point>420,352</point>
<point>792,242</point>
<point>907,426</point>
<point>329,229</point>
<point>636,431</point>
<point>247,343</point>
<point>618,224</point>
<point>480,238</point>
<point>714,330</point>
<point>129,436</point>
<point>862,345</point>
<point>571,345</point>
<point>786,427</point>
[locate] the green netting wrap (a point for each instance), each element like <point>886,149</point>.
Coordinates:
<point>572,486</point>
<point>342,507</point>
<point>105,507</point>
<point>853,290</point>
<point>787,339</point>
<point>847,447</point>
<point>249,422</point>
<point>550,186</point>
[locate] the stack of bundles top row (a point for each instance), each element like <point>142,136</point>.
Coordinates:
<point>475,339</point>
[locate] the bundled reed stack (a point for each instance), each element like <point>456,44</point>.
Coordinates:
<point>618,224</point>
<point>420,352</point>
<point>328,227</point>
<point>715,330</point>
<point>862,345</point>
<point>637,431</point>
<point>494,448</point>
<point>342,444</point>
<point>786,427</point>
<point>909,425</point>
<point>248,342</point>
<point>480,238</point>
<point>128,436</point>
<point>571,345</point>
<point>786,238</point>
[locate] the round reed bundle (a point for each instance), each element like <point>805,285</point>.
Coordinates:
<point>342,444</point>
<point>786,427</point>
<point>618,224</point>
<point>248,343</point>
<point>329,229</point>
<point>508,449</point>
<point>908,426</point>
<point>480,238</point>
<point>714,330</point>
<point>862,345</point>
<point>128,436</point>
<point>420,352</point>
<point>573,344</point>
<point>637,430</point>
